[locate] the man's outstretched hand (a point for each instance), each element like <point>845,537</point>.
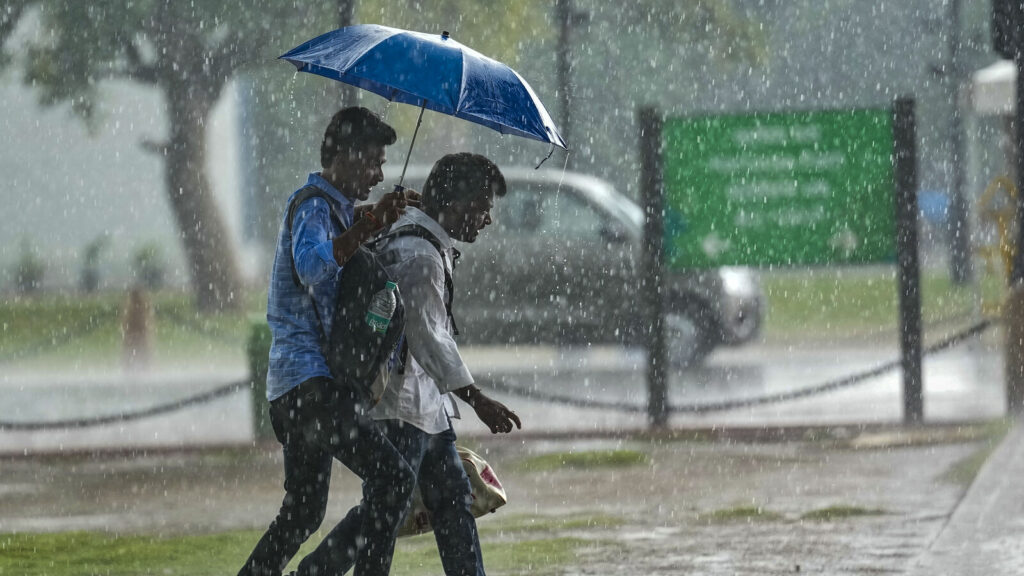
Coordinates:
<point>492,413</point>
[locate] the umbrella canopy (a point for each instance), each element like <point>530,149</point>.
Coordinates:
<point>430,71</point>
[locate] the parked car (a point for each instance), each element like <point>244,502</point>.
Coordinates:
<point>560,264</point>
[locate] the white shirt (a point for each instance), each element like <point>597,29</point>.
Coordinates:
<point>434,366</point>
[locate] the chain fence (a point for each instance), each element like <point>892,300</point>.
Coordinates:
<point>502,384</point>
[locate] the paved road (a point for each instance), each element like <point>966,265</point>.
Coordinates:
<point>961,384</point>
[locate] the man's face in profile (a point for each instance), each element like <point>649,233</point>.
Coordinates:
<point>361,170</point>
<point>472,216</point>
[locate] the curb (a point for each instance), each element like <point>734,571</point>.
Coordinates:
<point>985,532</point>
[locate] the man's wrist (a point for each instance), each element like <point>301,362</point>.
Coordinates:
<point>375,222</point>
<point>469,394</point>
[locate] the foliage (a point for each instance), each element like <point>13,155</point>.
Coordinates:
<point>29,270</point>
<point>90,278</point>
<point>187,50</point>
<point>149,266</point>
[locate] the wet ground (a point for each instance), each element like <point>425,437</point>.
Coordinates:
<point>695,507</point>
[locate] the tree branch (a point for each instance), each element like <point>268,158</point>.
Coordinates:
<point>237,49</point>
<point>156,147</point>
<point>9,17</point>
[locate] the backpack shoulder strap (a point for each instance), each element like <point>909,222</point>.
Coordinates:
<point>300,197</point>
<point>449,285</point>
<point>417,231</point>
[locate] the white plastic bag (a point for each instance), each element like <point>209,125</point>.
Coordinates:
<point>488,495</point>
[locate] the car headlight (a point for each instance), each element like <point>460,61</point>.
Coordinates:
<point>738,282</point>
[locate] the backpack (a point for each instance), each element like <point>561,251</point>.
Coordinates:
<point>357,355</point>
<point>449,285</point>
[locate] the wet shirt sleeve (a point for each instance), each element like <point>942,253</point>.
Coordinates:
<point>312,242</point>
<point>421,283</point>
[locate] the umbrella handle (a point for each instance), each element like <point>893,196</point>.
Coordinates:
<point>401,180</point>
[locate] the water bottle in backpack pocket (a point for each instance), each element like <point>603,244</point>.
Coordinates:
<point>382,308</point>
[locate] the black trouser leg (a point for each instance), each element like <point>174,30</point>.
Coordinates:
<point>307,478</point>
<point>350,435</point>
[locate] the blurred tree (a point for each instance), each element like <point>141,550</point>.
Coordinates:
<point>29,270</point>
<point>189,51</point>
<point>89,280</point>
<point>148,266</point>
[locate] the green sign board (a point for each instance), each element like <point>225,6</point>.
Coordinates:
<point>779,189</point>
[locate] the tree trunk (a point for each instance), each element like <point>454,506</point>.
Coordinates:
<point>208,247</point>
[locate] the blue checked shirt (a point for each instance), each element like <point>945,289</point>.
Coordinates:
<point>295,350</point>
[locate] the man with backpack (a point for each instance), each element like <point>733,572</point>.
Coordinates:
<point>318,416</point>
<point>416,408</point>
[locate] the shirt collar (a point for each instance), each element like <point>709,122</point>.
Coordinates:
<point>315,179</point>
<point>420,218</point>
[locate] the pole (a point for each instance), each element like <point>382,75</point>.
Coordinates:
<point>959,230</point>
<point>653,259</point>
<point>1014,314</point>
<point>908,264</point>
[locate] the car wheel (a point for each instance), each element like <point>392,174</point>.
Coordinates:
<point>690,336</point>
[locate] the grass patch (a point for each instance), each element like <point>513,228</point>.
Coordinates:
<point>85,330</point>
<point>839,512</point>
<point>89,554</point>
<point>584,460</point>
<point>963,472</point>
<point>900,437</point>
<point>739,513</point>
<point>862,301</point>
<point>527,524</point>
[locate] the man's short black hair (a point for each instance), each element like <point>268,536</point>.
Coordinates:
<point>461,177</point>
<point>354,128</point>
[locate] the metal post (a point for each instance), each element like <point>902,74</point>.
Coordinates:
<point>959,241</point>
<point>1014,313</point>
<point>652,284</point>
<point>908,265</point>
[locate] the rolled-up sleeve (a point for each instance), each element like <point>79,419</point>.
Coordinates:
<point>421,283</point>
<point>312,245</point>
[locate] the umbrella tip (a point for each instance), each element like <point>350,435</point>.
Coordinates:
<point>444,35</point>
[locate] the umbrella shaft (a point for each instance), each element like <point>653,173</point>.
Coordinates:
<point>401,180</point>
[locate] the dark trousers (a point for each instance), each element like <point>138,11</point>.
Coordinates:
<point>446,494</point>
<point>317,421</point>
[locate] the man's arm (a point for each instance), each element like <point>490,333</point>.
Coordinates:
<point>368,220</point>
<point>316,256</point>
<point>426,331</point>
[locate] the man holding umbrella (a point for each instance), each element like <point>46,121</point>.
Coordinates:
<point>314,419</point>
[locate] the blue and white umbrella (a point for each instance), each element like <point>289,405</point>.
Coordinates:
<point>430,71</point>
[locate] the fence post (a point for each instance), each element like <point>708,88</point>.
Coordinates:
<point>652,284</point>
<point>258,351</point>
<point>907,262</point>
